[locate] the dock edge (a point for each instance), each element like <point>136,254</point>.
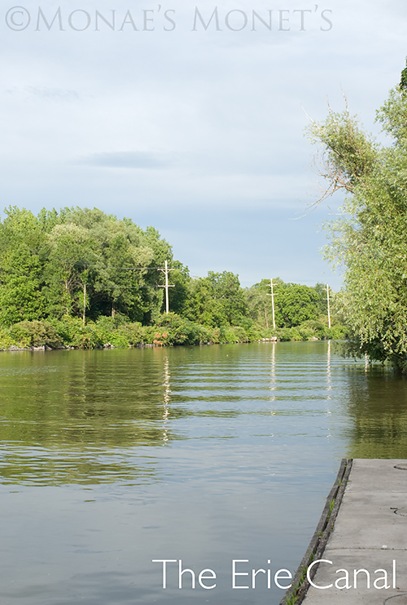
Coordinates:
<point>295,595</point>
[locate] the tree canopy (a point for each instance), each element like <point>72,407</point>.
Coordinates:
<point>81,277</point>
<point>369,239</point>
<point>78,262</point>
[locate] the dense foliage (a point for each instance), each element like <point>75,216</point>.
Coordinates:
<point>85,279</point>
<point>370,238</point>
<point>78,262</point>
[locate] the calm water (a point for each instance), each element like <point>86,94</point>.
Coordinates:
<point>110,459</point>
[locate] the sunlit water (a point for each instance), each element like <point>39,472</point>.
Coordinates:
<point>112,459</point>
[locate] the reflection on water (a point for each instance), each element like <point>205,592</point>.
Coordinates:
<point>377,411</point>
<point>273,383</point>
<point>81,417</point>
<point>109,459</point>
<point>328,370</point>
<point>166,397</point>
<point>78,418</point>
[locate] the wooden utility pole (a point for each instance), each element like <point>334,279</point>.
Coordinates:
<point>84,304</point>
<point>166,286</point>
<point>328,306</point>
<point>273,315</point>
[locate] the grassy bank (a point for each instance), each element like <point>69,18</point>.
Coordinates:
<point>171,330</point>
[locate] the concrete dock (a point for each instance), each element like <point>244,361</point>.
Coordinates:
<point>363,560</point>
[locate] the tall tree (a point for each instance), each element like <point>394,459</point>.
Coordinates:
<point>370,238</point>
<point>295,303</point>
<point>71,261</point>
<point>259,304</point>
<point>217,300</point>
<point>22,249</point>
<point>122,265</point>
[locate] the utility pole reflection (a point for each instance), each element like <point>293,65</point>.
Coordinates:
<point>328,370</point>
<point>273,379</point>
<point>166,397</point>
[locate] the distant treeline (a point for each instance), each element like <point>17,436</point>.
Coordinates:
<point>79,277</point>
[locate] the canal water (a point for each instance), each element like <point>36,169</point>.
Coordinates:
<point>213,458</point>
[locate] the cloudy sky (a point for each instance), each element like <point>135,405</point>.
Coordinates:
<point>190,116</point>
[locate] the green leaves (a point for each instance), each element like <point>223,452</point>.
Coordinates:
<point>370,238</point>
<point>403,80</point>
<point>78,262</point>
<point>22,247</point>
<point>294,303</point>
<point>95,278</point>
<point>217,300</point>
<point>348,153</point>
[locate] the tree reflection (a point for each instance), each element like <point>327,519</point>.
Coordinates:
<point>83,417</point>
<point>377,407</point>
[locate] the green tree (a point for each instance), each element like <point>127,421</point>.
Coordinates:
<point>71,261</point>
<point>202,305</point>
<point>153,296</point>
<point>180,279</point>
<point>403,80</point>
<point>81,262</point>
<point>121,268</point>
<point>217,300</point>
<point>258,299</point>
<point>22,249</point>
<point>124,273</point>
<point>229,294</point>
<point>295,303</point>
<point>370,237</point>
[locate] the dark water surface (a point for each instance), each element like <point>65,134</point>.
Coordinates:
<point>110,459</point>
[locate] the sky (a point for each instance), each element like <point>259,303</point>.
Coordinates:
<point>191,116</point>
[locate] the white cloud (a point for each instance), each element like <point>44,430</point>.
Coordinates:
<point>203,119</point>
<point>133,160</point>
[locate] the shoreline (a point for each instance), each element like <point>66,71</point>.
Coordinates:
<point>110,347</point>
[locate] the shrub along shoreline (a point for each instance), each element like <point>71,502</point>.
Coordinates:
<point>79,278</point>
<point>170,330</point>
